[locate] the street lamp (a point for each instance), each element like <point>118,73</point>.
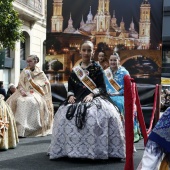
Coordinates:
<point>160,46</point>
<point>65,50</point>
<point>51,51</point>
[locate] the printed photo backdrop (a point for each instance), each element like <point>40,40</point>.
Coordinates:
<point>133,29</point>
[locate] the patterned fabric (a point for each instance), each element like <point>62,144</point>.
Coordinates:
<point>33,113</point>
<point>161,132</point>
<point>8,130</point>
<point>100,138</point>
<point>152,157</point>
<point>102,134</point>
<point>158,143</point>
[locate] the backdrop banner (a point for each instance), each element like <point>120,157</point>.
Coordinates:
<point>133,30</point>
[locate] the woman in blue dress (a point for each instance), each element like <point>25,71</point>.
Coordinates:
<point>114,80</point>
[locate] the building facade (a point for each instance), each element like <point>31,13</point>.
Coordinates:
<point>102,27</point>
<point>33,15</point>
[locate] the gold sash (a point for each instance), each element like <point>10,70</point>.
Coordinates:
<point>87,81</point>
<point>109,76</point>
<point>36,87</point>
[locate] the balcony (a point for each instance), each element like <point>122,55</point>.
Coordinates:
<point>30,10</point>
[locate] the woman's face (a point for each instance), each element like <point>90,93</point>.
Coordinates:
<point>101,57</point>
<point>31,63</point>
<point>114,62</point>
<point>86,51</point>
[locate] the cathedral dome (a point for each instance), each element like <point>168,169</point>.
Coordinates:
<point>69,30</point>
<point>88,27</point>
<point>145,2</point>
<point>89,17</point>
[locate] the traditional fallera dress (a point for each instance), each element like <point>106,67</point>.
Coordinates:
<point>87,130</point>
<point>158,143</point>
<point>33,113</point>
<point>115,84</point>
<point>8,130</point>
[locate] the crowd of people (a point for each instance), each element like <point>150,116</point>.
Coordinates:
<point>88,124</point>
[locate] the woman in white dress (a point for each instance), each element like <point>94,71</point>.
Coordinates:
<point>32,101</point>
<point>87,125</point>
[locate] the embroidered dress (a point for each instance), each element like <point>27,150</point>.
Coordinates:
<point>161,132</point>
<point>118,100</point>
<point>87,130</point>
<point>8,130</point>
<point>33,113</point>
<point>158,143</point>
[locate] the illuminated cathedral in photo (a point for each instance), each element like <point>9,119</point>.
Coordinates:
<point>103,27</point>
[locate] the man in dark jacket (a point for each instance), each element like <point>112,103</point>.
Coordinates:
<point>2,90</point>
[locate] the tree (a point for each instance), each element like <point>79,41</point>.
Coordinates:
<point>10,25</point>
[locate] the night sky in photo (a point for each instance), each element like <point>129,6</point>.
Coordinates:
<point>127,9</point>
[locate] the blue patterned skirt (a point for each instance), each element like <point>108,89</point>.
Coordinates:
<point>161,132</point>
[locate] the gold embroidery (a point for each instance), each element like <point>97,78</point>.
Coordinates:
<point>89,83</point>
<point>36,87</point>
<point>114,84</point>
<point>3,127</point>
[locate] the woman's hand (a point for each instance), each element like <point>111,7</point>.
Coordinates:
<point>88,98</point>
<point>23,93</point>
<point>71,99</point>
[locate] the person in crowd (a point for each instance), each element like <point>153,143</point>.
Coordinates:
<point>2,90</point>
<point>8,130</point>
<point>165,99</point>
<point>114,80</point>
<point>157,151</point>
<point>87,125</point>
<point>102,61</point>
<point>11,90</point>
<point>32,101</point>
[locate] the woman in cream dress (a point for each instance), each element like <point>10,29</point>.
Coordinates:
<point>32,102</point>
<point>8,130</point>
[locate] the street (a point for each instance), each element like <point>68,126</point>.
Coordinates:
<point>31,153</point>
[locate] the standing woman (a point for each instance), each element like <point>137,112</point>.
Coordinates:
<point>87,125</point>
<point>114,80</point>
<point>32,101</point>
<point>102,61</point>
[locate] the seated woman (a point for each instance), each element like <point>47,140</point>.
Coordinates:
<point>102,61</point>
<point>32,101</point>
<point>158,146</point>
<point>114,80</point>
<point>87,125</point>
<point>8,130</point>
